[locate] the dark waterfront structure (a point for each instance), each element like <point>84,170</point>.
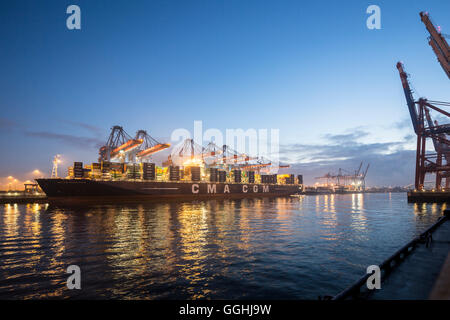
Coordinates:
<point>440,196</point>
<point>406,270</point>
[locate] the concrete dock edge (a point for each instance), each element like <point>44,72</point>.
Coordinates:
<point>441,288</point>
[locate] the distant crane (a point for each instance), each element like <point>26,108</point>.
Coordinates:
<point>438,43</point>
<point>363,178</point>
<point>345,178</point>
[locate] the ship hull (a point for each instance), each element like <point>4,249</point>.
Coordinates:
<point>87,189</point>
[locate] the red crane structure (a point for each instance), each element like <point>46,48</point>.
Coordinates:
<point>437,162</point>
<point>438,43</point>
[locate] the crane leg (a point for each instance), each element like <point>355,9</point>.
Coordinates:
<point>438,174</point>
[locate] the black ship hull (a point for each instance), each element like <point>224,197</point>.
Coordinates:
<point>87,189</point>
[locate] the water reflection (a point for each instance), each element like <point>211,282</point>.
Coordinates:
<point>225,249</point>
<point>359,221</point>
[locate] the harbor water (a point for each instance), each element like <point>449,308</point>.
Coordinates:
<point>262,248</point>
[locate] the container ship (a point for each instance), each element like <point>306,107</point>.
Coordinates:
<point>124,172</point>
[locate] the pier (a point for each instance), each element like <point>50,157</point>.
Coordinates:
<point>429,196</point>
<point>441,289</point>
<point>22,197</point>
<point>414,271</point>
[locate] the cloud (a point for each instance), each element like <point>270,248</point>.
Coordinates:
<point>396,169</point>
<point>67,138</point>
<point>7,124</point>
<point>402,124</point>
<point>93,129</point>
<point>391,163</point>
<point>346,138</point>
<point>312,153</point>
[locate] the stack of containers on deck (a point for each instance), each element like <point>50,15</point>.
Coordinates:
<point>237,176</point>
<point>213,174</point>
<point>269,178</point>
<point>195,173</point>
<point>222,176</point>
<point>117,170</point>
<point>87,171</point>
<point>96,173</point>
<point>105,169</point>
<point>148,171</point>
<point>251,176</point>
<point>78,169</point>
<point>290,179</point>
<point>133,171</point>
<point>174,173</point>
<point>273,179</point>
<point>264,178</point>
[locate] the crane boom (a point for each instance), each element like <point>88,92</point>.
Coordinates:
<point>437,43</point>
<point>444,62</point>
<point>359,169</point>
<point>118,145</point>
<point>256,166</point>
<point>149,145</point>
<point>126,147</point>
<point>409,97</point>
<point>365,172</point>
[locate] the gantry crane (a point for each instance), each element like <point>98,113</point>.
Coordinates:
<point>230,156</point>
<point>149,145</point>
<point>346,178</point>
<point>187,153</point>
<point>212,150</point>
<point>420,112</point>
<point>120,145</point>
<point>438,43</point>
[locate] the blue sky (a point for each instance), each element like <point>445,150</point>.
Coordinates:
<point>309,68</point>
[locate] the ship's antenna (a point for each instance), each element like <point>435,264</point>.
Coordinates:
<point>56,160</point>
